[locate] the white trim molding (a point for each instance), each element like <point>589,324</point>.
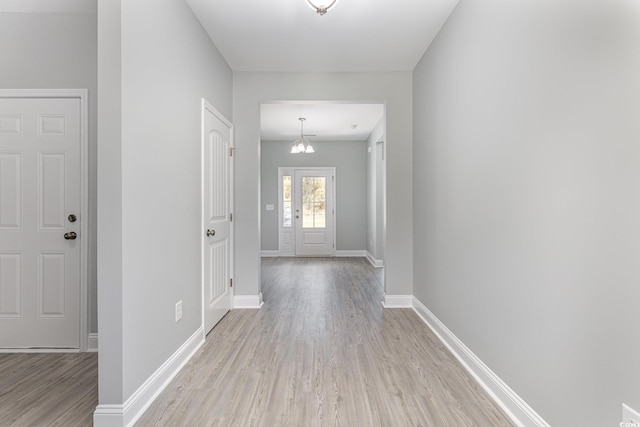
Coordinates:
<point>397,301</point>
<point>39,350</point>
<point>92,341</point>
<point>350,253</point>
<point>248,301</point>
<point>377,263</point>
<point>630,417</point>
<point>516,408</point>
<point>339,253</point>
<point>128,413</point>
<point>269,253</point>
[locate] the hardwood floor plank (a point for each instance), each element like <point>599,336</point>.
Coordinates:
<point>323,352</point>
<point>48,389</point>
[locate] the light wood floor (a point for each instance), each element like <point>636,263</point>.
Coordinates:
<point>51,389</point>
<point>323,352</point>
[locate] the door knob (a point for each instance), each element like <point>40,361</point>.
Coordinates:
<point>211,233</point>
<point>297,216</point>
<point>70,235</point>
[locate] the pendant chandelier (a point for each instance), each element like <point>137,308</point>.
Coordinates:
<point>302,145</point>
<point>322,9</point>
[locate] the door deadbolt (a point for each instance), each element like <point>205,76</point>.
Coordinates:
<point>211,233</point>
<point>70,235</point>
<point>72,218</point>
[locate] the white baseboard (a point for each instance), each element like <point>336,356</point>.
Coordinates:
<point>92,343</point>
<point>127,414</point>
<point>39,350</point>
<point>350,253</point>
<point>377,263</point>
<point>269,253</point>
<point>248,301</point>
<point>630,417</point>
<point>338,253</point>
<point>397,301</point>
<point>516,408</point>
<point>92,347</point>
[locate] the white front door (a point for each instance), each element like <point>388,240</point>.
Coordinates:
<point>217,230</point>
<point>40,240</point>
<point>314,212</point>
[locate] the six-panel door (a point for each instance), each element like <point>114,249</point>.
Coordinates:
<point>40,184</point>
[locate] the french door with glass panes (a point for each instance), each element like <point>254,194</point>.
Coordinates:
<point>306,211</point>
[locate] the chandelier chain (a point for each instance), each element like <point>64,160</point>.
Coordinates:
<point>322,9</point>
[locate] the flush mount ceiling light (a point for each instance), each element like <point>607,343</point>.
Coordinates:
<point>322,9</point>
<point>302,145</point>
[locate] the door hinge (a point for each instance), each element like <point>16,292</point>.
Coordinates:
<point>231,283</point>
<point>333,178</point>
<point>231,151</point>
<point>231,217</point>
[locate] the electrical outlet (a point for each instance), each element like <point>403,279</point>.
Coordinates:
<point>178,310</point>
<point>630,418</point>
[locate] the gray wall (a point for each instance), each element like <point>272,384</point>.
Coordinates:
<point>156,63</point>
<point>349,159</point>
<point>375,191</point>
<point>53,51</point>
<point>527,197</point>
<point>251,88</point>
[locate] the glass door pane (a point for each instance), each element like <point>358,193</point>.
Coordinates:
<point>314,201</point>
<point>286,201</point>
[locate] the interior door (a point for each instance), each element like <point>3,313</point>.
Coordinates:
<point>217,230</point>
<point>40,241</point>
<point>314,212</point>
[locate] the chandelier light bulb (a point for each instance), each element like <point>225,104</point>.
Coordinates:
<point>301,145</point>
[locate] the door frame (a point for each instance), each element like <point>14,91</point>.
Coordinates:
<point>291,170</point>
<point>82,96</point>
<point>206,105</point>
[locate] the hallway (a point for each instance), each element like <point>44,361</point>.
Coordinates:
<point>322,351</point>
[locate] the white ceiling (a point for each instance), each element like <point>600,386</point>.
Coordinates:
<point>355,35</point>
<point>289,36</point>
<point>327,121</point>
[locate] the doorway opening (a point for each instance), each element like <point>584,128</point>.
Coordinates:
<point>349,138</point>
